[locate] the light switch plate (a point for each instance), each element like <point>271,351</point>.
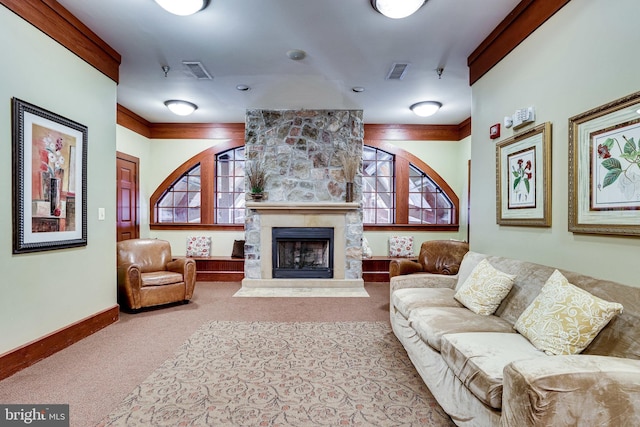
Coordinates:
<point>101,214</point>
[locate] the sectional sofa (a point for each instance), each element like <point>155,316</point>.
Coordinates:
<point>485,372</point>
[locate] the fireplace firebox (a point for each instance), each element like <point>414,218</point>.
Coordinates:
<point>302,252</point>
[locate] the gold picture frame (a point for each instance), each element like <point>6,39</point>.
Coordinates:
<point>523,178</point>
<point>604,169</point>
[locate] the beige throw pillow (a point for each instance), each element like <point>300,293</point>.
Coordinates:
<point>564,319</point>
<point>484,289</point>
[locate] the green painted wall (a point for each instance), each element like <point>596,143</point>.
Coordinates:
<point>583,57</point>
<point>46,291</point>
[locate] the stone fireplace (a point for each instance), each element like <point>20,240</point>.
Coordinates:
<point>305,195</point>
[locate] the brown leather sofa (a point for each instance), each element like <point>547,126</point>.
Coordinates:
<point>149,276</point>
<point>436,257</point>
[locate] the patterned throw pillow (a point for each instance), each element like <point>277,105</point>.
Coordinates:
<point>198,246</point>
<point>564,319</point>
<point>484,289</point>
<point>401,246</point>
<point>366,249</point>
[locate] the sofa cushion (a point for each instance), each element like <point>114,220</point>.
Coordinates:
<point>484,289</point>
<point>158,278</point>
<point>564,319</point>
<point>431,323</point>
<point>478,359</point>
<point>405,300</point>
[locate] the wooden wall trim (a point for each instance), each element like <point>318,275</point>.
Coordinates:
<point>464,129</point>
<point>132,121</point>
<point>27,355</point>
<point>58,23</point>
<point>408,132</point>
<point>523,20</point>
<point>235,131</point>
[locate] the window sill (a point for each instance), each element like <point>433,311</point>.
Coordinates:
<point>226,227</point>
<point>411,227</point>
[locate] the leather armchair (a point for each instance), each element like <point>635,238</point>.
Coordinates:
<point>149,276</point>
<point>436,256</point>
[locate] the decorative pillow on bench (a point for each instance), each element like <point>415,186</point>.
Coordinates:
<point>564,319</point>
<point>401,246</point>
<point>198,246</point>
<point>484,289</point>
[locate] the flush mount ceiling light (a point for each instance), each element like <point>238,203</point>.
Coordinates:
<point>296,54</point>
<point>426,108</point>
<point>181,108</point>
<point>396,9</point>
<point>183,7</point>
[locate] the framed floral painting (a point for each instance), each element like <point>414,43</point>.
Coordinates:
<point>49,180</point>
<point>604,169</point>
<point>523,178</point>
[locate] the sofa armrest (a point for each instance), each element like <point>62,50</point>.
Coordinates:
<point>422,280</point>
<point>186,267</point>
<point>129,278</point>
<point>571,390</point>
<point>399,267</point>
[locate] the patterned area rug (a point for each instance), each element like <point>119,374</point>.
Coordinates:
<point>284,374</point>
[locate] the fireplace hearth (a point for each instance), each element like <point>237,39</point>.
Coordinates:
<point>302,252</point>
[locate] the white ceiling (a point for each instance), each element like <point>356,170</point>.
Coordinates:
<point>245,42</point>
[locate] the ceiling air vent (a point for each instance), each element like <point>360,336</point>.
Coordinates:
<point>397,71</point>
<point>197,70</point>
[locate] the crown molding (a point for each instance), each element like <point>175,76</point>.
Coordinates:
<point>523,20</point>
<point>58,23</point>
<point>235,131</point>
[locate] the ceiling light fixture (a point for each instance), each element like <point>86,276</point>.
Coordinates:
<point>181,108</point>
<point>426,108</point>
<point>242,88</point>
<point>396,9</point>
<point>296,54</point>
<point>183,7</point>
<point>357,89</point>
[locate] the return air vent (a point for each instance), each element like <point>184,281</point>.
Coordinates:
<point>197,70</point>
<point>398,70</point>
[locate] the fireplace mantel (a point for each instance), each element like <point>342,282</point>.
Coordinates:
<point>336,215</point>
<point>280,208</point>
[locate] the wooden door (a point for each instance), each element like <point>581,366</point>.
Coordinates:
<point>128,226</point>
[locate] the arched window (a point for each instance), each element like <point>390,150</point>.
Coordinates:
<point>398,190</point>
<point>229,188</point>
<point>181,202</point>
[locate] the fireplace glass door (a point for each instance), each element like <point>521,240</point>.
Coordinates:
<point>302,252</point>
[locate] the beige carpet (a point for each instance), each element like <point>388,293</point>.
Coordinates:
<point>283,374</point>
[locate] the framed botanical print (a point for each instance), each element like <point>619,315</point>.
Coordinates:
<point>604,169</point>
<point>49,180</point>
<point>523,178</point>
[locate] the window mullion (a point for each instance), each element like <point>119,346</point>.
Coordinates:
<point>402,190</point>
<point>207,178</point>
